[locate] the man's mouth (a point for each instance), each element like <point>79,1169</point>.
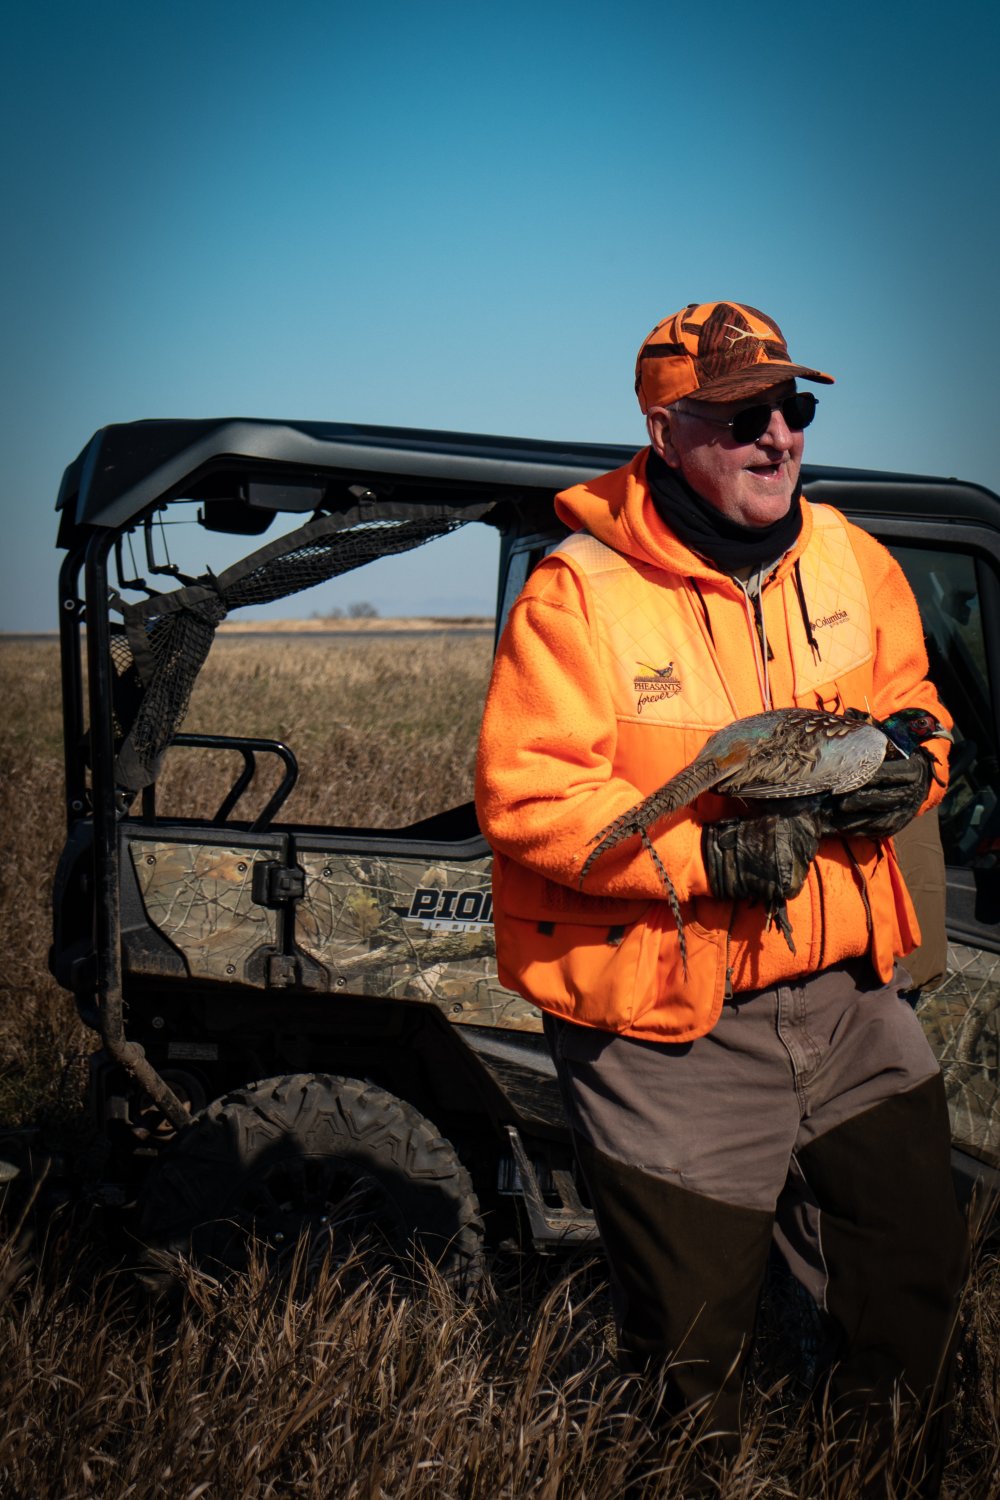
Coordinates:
<point>769,472</point>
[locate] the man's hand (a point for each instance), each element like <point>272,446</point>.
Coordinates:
<point>885,804</point>
<point>760,859</point>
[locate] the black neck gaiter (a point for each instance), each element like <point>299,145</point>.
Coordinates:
<point>727,544</point>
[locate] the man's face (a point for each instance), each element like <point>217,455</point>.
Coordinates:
<point>751,483</point>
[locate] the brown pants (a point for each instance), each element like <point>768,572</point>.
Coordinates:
<point>687,1149</point>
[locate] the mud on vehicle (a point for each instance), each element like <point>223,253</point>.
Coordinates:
<point>301,1025</point>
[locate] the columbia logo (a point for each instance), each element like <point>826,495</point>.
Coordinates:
<point>837,618</point>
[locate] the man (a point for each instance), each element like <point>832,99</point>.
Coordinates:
<point>699,587</point>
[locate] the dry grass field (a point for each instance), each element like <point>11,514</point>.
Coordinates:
<point>346,1387</point>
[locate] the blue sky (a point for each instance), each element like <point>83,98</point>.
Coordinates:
<point>468,216</point>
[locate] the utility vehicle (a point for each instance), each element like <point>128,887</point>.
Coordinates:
<point>301,1025</point>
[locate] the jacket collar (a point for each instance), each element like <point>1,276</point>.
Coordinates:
<point>618,509</point>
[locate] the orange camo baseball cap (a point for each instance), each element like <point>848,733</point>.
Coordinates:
<point>714,351</point>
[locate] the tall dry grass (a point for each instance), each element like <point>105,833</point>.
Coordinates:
<point>41,1039</point>
<point>342,1388</point>
<point>372,1391</point>
<point>384,730</point>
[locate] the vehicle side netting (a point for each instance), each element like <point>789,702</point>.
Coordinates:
<point>162,644</point>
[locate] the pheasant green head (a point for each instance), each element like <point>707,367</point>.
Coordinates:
<point>910,727</point>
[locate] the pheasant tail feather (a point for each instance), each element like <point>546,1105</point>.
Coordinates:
<point>675,905</point>
<point>674,794</point>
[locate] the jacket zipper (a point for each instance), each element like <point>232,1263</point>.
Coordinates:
<point>758,635</point>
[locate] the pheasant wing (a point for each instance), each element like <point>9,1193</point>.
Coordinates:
<point>804,752</point>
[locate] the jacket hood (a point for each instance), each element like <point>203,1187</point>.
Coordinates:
<point>617,509</point>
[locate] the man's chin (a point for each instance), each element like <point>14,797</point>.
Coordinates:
<point>763,503</point>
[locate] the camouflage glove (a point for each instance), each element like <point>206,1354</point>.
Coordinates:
<point>885,804</point>
<point>760,859</point>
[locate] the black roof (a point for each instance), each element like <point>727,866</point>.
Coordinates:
<point>127,468</point>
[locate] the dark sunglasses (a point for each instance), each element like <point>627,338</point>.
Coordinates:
<point>753,421</point>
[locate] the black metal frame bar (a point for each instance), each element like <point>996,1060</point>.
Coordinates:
<point>107,809</point>
<point>248,748</point>
<point>71,613</point>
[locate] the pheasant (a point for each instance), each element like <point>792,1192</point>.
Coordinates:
<point>782,754</point>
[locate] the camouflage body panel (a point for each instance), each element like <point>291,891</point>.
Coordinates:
<point>962,1021</point>
<point>422,930</point>
<point>199,897</point>
<point>411,929</point>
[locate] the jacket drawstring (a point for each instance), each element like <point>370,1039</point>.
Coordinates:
<point>704,608</point>
<point>801,595</point>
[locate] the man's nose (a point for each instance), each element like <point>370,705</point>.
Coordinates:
<point>777,433</point>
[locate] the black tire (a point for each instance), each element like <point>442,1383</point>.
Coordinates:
<point>345,1163</point>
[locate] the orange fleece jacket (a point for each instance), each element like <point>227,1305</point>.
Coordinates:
<point>556,766</point>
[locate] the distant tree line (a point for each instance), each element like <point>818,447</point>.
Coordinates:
<point>361,609</point>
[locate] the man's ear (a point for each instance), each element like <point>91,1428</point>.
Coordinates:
<point>658,421</point>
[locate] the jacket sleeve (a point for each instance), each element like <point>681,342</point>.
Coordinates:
<point>900,667</point>
<point>545,783</point>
